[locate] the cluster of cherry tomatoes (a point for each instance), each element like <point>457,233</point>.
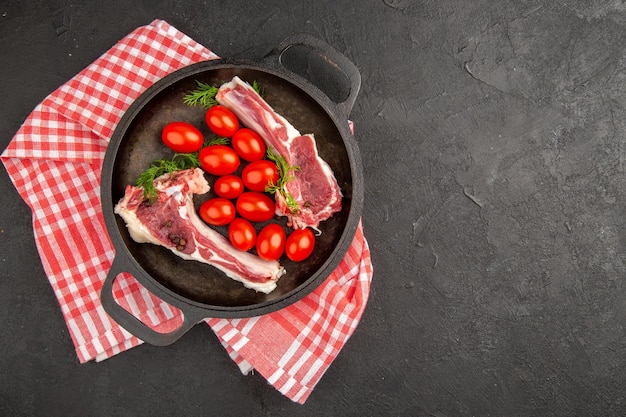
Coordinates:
<point>241,199</point>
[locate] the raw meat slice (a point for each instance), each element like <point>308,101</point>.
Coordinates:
<point>315,187</point>
<point>171,221</point>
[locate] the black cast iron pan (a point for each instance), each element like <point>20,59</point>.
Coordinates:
<point>198,290</point>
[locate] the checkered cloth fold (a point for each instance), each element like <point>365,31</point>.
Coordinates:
<point>55,160</point>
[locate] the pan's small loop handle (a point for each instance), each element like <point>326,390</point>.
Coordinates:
<point>333,59</point>
<point>132,323</point>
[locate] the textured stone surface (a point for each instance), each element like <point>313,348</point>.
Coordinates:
<point>493,139</point>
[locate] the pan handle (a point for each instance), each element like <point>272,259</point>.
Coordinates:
<point>341,69</point>
<point>132,323</point>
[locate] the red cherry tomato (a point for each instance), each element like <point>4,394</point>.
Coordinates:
<point>256,175</point>
<point>300,244</point>
<point>228,186</point>
<point>217,211</point>
<point>219,159</point>
<point>242,234</point>
<point>182,137</point>
<point>222,121</point>
<point>270,244</point>
<point>255,206</point>
<point>248,144</point>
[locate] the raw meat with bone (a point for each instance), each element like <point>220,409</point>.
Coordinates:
<point>171,221</point>
<point>314,188</point>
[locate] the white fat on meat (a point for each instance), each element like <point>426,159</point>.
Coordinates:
<point>314,187</point>
<point>171,221</point>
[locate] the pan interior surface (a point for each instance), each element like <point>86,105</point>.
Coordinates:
<point>140,143</point>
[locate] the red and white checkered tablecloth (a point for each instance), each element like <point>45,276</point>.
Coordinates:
<point>55,160</point>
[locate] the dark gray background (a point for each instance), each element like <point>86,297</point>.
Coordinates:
<point>493,139</point>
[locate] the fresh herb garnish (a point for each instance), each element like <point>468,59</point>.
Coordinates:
<point>256,87</point>
<point>204,94</point>
<point>217,141</point>
<point>284,175</point>
<point>179,162</point>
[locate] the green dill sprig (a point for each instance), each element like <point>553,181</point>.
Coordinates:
<point>285,174</point>
<point>216,141</point>
<point>158,167</point>
<point>256,87</point>
<point>203,95</point>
